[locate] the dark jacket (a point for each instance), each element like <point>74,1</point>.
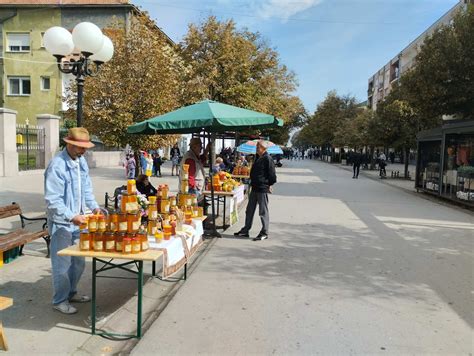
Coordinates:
<point>262,174</point>
<point>146,189</point>
<point>356,158</point>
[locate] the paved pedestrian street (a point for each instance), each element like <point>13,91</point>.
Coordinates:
<point>351,267</point>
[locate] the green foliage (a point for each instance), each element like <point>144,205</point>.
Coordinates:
<point>441,83</point>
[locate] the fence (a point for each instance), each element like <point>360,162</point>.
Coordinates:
<point>30,147</point>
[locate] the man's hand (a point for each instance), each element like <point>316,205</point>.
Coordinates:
<point>97,211</point>
<point>270,189</point>
<point>78,220</point>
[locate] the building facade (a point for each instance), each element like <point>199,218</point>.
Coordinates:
<point>31,83</point>
<point>381,83</point>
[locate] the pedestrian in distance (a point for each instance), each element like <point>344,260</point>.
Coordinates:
<point>68,191</point>
<point>175,158</point>
<point>356,158</point>
<point>131,167</point>
<point>262,179</point>
<point>157,162</point>
<point>382,164</point>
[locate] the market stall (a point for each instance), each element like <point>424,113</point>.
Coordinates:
<point>206,117</point>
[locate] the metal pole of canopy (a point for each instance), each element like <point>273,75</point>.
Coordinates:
<point>213,231</point>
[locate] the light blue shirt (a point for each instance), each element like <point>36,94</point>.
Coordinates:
<point>63,198</point>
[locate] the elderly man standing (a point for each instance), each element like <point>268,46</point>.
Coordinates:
<point>68,191</point>
<point>262,178</point>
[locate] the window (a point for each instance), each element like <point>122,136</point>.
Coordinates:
<point>18,42</point>
<point>19,86</point>
<point>42,39</point>
<point>45,83</point>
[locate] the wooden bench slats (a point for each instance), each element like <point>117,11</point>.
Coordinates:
<point>9,210</point>
<point>19,237</point>
<point>5,302</point>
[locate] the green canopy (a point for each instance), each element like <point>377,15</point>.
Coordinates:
<point>207,115</point>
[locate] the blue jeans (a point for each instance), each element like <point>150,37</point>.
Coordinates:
<point>66,270</point>
<point>131,173</point>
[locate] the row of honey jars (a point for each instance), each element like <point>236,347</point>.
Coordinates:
<point>187,200</point>
<point>163,191</point>
<point>114,222</point>
<point>113,242</point>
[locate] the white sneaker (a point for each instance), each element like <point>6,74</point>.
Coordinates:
<point>65,308</point>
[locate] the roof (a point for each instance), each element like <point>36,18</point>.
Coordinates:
<point>63,2</point>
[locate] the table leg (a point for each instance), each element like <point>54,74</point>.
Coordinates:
<point>153,268</point>
<point>94,269</point>
<point>140,297</point>
<point>223,215</point>
<point>185,271</point>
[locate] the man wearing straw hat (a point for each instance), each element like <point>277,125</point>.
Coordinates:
<point>68,191</point>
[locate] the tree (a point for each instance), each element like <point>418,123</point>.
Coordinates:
<point>355,132</point>
<point>441,83</point>
<point>141,81</point>
<point>237,67</point>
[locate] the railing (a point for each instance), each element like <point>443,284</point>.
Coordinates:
<point>30,146</point>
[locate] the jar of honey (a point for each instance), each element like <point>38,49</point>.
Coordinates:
<point>173,227</point>
<point>84,225</point>
<point>165,206</point>
<point>101,223</point>
<point>123,203</point>
<point>142,236</point>
<point>92,223</point>
<point>98,241</point>
<point>184,186</point>
<point>167,228</point>
<point>158,236</point>
<point>113,222</point>
<point>109,241</point>
<point>188,216</point>
<point>119,237</point>
<point>200,211</point>
<point>164,192</point>
<point>84,241</point>
<point>195,212</point>
<point>194,200</point>
<point>186,168</point>
<point>132,204</point>
<point>136,245</point>
<point>151,227</point>
<point>133,222</point>
<point>167,236</point>
<point>152,212</point>
<point>127,245</point>
<point>152,199</point>
<point>189,200</point>
<point>131,186</point>
<point>122,222</point>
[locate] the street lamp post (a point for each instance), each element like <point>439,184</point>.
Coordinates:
<point>91,45</point>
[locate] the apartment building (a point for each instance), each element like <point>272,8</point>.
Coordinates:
<point>30,81</point>
<point>385,78</point>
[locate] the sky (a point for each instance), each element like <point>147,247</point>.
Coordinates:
<point>329,44</point>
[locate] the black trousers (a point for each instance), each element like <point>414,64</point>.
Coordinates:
<point>356,169</point>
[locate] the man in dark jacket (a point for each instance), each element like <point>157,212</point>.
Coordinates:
<point>356,162</point>
<point>262,177</point>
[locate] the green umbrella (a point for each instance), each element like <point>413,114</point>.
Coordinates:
<point>207,115</point>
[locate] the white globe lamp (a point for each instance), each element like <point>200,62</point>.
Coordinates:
<point>87,37</point>
<point>58,41</point>
<point>105,53</point>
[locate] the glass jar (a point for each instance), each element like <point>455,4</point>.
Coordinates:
<point>165,206</point>
<point>159,236</point>
<point>151,227</point>
<point>189,200</point>
<point>109,239</point>
<point>122,222</point>
<point>167,236</point>
<point>201,211</point>
<point>152,199</point>
<point>142,236</point>
<point>184,186</point>
<point>131,186</point>
<point>188,216</point>
<point>113,222</point>
<point>84,241</point>
<point>194,200</point>
<point>136,245</point>
<point>127,245</point>
<point>133,222</point>
<point>92,223</point>
<point>84,225</point>
<point>186,168</point>
<point>164,192</point>
<point>195,212</point>
<point>167,228</point>
<point>152,212</point>
<point>132,204</point>
<point>173,227</point>
<point>119,237</point>
<point>98,241</point>
<point>123,203</point>
<point>101,223</point>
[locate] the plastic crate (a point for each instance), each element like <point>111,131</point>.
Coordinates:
<point>11,255</point>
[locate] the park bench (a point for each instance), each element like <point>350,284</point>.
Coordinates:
<point>20,237</point>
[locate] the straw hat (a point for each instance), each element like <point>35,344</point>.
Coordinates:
<point>78,136</point>
<point>194,141</point>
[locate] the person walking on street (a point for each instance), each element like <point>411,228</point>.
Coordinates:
<point>382,164</point>
<point>131,167</point>
<point>175,156</point>
<point>157,162</point>
<point>356,158</point>
<point>262,178</point>
<point>68,191</point>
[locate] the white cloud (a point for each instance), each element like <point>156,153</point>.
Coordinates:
<point>282,8</point>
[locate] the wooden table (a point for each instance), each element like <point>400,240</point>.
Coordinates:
<point>135,259</point>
